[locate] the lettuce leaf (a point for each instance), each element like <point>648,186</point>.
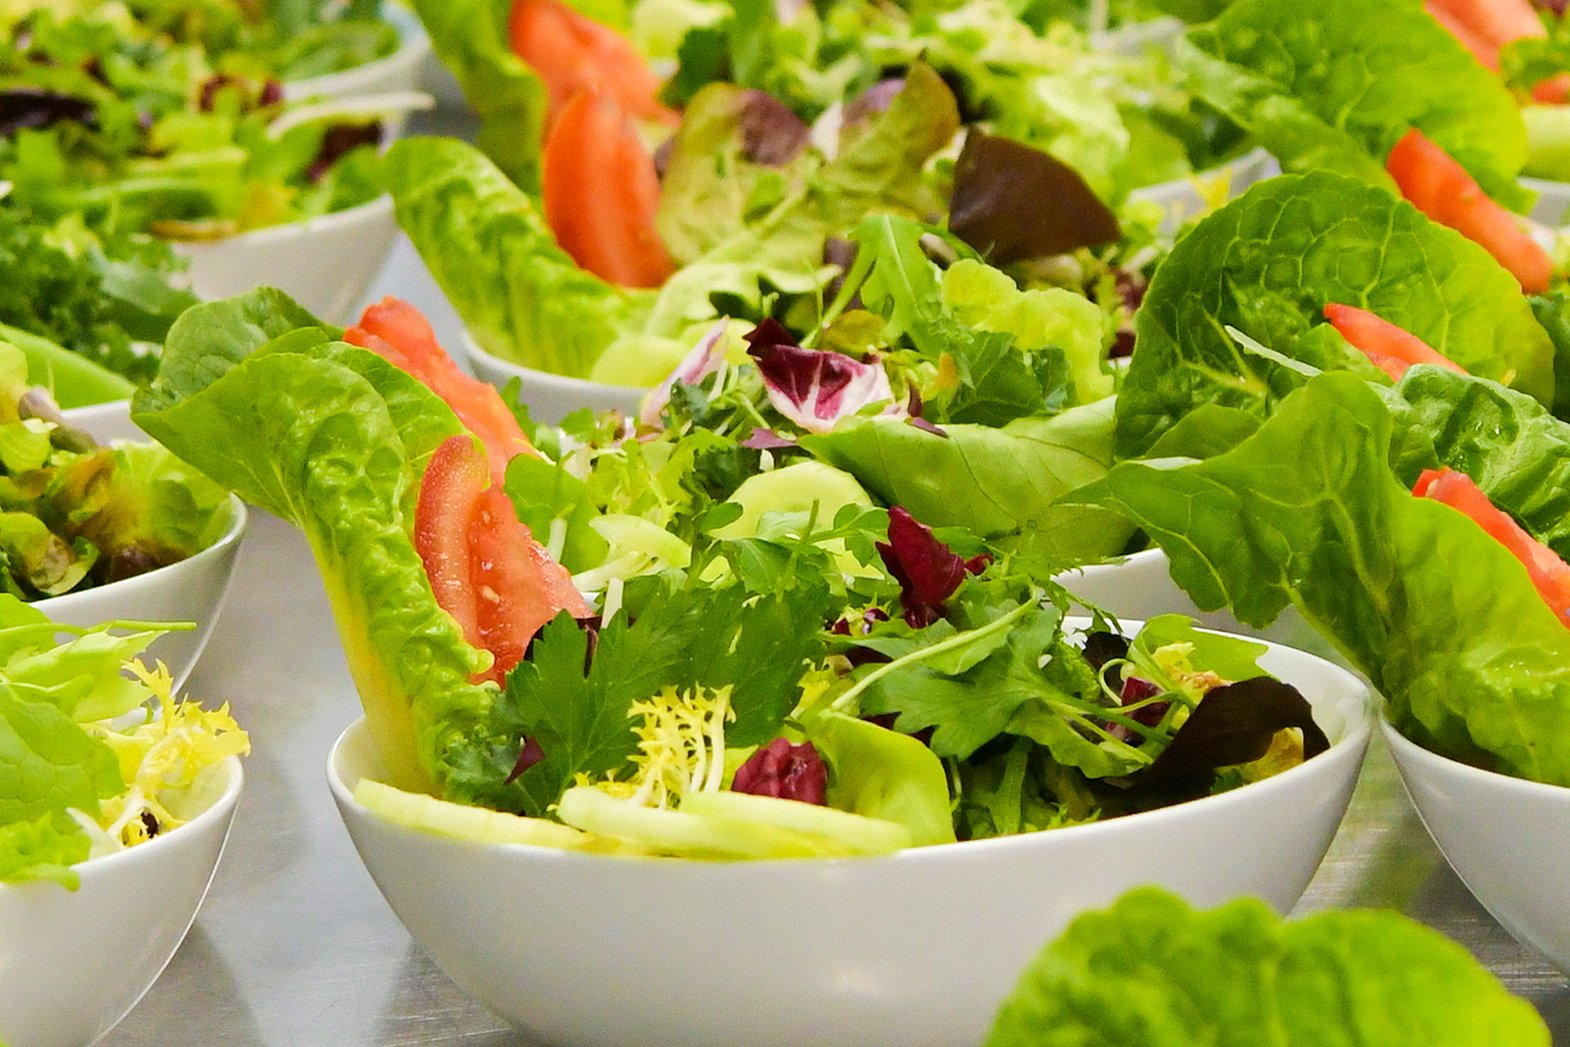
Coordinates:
<point>333,438</point>
<point>992,482</point>
<point>1269,262</point>
<point>522,298</point>
<point>1153,971</point>
<point>470,38</point>
<point>1437,614</point>
<point>1334,84</point>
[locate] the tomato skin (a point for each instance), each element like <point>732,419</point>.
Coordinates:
<point>1391,348</point>
<point>601,194</point>
<point>1548,572</point>
<point>485,568</point>
<point>573,53</point>
<point>396,331</point>
<point>1443,190</point>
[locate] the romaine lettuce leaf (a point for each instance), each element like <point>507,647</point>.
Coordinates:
<point>992,482</point>
<point>1153,971</point>
<point>334,438</point>
<point>470,38</point>
<point>485,241</point>
<point>1436,613</point>
<point>1269,262</point>
<point>1334,84</point>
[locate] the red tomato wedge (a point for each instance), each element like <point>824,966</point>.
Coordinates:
<point>1484,27</point>
<point>1441,188</point>
<point>601,194</point>
<point>573,53</point>
<point>396,331</point>
<point>1391,348</point>
<point>486,569</point>
<point>1548,572</point>
<point>1485,51</point>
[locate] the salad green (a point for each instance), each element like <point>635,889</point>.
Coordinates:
<point>1153,971</point>
<point>725,647</point>
<point>135,133</point>
<point>96,754</point>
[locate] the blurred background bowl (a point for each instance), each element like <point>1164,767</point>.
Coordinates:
<point>1508,840</point>
<point>916,947</point>
<point>72,963</point>
<point>326,264</point>
<point>551,397</point>
<point>403,70</point>
<point>192,590</point>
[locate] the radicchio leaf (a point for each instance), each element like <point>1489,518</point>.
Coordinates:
<point>1233,724</point>
<point>790,772</point>
<point>30,108</point>
<point>702,360</point>
<point>928,571</point>
<point>1012,202</point>
<point>815,388</point>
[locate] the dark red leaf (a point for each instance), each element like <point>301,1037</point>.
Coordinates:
<point>1012,202</point>
<point>790,772</point>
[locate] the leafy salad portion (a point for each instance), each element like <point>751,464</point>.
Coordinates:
<point>136,133</point>
<point>96,754</point>
<point>1153,971</point>
<point>757,632</point>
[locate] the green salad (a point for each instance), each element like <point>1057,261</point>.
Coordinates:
<point>757,617</point>
<point>96,754</point>
<point>134,133</point>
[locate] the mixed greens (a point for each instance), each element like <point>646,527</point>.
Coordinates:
<point>130,132</point>
<point>1153,971</point>
<point>96,754</point>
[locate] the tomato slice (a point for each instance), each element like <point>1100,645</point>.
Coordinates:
<point>1483,49</point>
<point>486,569</point>
<point>573,53</point>
<point>601,193</point>
<point>1441,188</point>
<point>1548,572</point>
<point>397,332</point>
<point>1391,348</point>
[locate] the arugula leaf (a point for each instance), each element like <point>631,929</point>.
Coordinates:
<point>1153,971</point>
<point>1269,262</point>
<point>1334,84</point>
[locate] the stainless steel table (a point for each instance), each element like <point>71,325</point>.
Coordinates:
<point>295,948</point>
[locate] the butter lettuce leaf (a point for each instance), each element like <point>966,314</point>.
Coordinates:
<point>1334,84</point>
<point>522,298</point>
<point>1436,613</point>
<point>1269,262</point>
<point>1152,970</point>
<point>334,439</point>
<point>991,481</point>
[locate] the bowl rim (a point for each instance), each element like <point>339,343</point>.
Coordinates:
<point>1353,739</point>
<point>368,212</point>
<point>239,520</point>
<point>219,810</point>
<point>413,45</point>
<point>1406,750</point>
<point>561,382</point>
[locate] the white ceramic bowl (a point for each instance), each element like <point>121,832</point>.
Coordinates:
<point>917,947</point>
<point>105,422</point>
<point>1505,837</point>
<point>192,590</point>
<point>398,72</point>
<point>326,264</point>
<point>72,963</point>
<point>1182,199</point>
<point>1140,586</point>
<point>551,397</point>
<point>1553,201</point>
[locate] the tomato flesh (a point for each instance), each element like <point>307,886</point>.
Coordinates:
<point>1548,572</point>
<point>1391,348</point>
<point>1441,188</point>
<point>485,568</point>
<point>573,54</point>
<point>601,194</point>
<point>396,330</point>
